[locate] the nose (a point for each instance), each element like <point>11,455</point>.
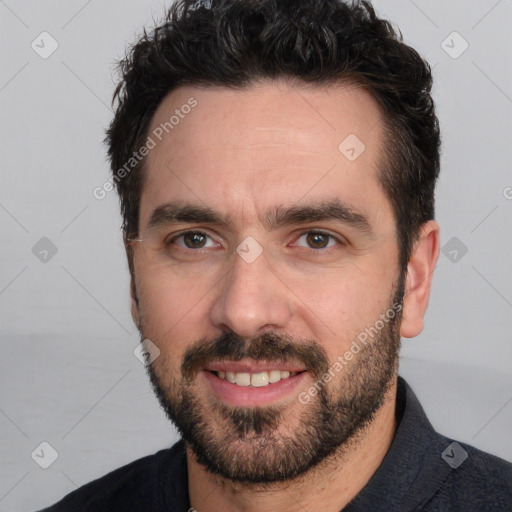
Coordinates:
<point>251,300</point>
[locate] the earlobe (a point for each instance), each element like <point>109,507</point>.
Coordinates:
<point>420,270</point>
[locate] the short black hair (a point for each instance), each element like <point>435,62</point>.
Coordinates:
<point>236,43</point>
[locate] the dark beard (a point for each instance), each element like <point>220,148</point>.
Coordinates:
<point>244,444</point>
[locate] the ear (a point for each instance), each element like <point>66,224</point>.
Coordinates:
<point>135,303</point>
<point>419,278</point>
<point>133,288</point>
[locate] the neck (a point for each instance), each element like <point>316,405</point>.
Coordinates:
<point>328,487</point>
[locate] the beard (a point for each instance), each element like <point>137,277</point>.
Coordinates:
<point>274,443</point>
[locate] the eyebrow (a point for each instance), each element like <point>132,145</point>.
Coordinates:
<point>335,210</point>
<point>316,211</point>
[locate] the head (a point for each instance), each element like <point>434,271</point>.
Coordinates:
<point>280,161</point>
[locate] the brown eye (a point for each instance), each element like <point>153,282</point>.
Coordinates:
<point>317,240</point>
<point>194,240</point>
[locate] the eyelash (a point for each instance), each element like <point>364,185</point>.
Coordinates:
<point>331,237</point>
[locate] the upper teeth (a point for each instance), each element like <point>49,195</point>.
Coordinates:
<point>256,380</point>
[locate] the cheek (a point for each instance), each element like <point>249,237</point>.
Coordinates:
<point>342,303</point>
<point>172,308</point>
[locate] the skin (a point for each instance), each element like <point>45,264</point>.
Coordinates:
<point>244,153</point>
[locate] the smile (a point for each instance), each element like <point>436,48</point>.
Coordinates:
<point>256,388</point>
<point>255,380</point>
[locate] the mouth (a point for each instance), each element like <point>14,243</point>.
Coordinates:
<point>255,380</point>
<point>252,383</point>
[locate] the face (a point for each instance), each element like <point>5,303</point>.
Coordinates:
<point>267,274</point>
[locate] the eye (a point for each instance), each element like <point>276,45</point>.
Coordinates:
<point>193,240</point>
<point>316,240</point>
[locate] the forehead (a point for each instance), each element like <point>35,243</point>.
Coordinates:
<point>272,142</point>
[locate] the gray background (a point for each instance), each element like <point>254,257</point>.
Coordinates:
<point>68,373</point>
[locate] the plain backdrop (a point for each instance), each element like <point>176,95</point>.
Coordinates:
<point>68,374</point>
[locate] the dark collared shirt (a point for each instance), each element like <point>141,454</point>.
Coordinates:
<point>422,471</point>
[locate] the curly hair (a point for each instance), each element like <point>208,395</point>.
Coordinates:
<point>234,43</point>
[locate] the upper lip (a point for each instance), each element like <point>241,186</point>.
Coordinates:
<point>251,366</point>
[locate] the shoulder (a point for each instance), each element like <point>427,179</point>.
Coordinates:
<point>134,486</point>
<point>441,473</point>
<point>476,481</point>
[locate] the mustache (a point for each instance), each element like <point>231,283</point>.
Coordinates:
<point>267,347</point>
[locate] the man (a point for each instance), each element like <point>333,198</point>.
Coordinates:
<point>276,162</point>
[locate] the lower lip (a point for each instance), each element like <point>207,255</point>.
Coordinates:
<point>252,396</point>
